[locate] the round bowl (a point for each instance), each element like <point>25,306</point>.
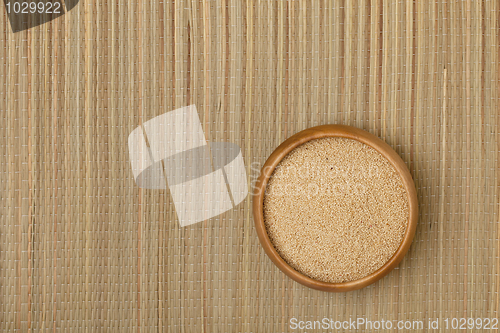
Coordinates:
<point>348,132</point>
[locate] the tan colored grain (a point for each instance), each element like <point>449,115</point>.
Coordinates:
<point>335,209</point>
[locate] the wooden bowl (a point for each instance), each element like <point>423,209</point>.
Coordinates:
<point>344,132</point>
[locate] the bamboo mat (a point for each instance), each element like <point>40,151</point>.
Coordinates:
<point>82,248</point>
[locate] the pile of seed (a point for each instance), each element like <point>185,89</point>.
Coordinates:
<point>335,209</point>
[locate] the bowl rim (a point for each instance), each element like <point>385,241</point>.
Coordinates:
<point>348,132</point>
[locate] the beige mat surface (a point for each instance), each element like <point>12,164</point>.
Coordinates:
<point>82,248</point>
